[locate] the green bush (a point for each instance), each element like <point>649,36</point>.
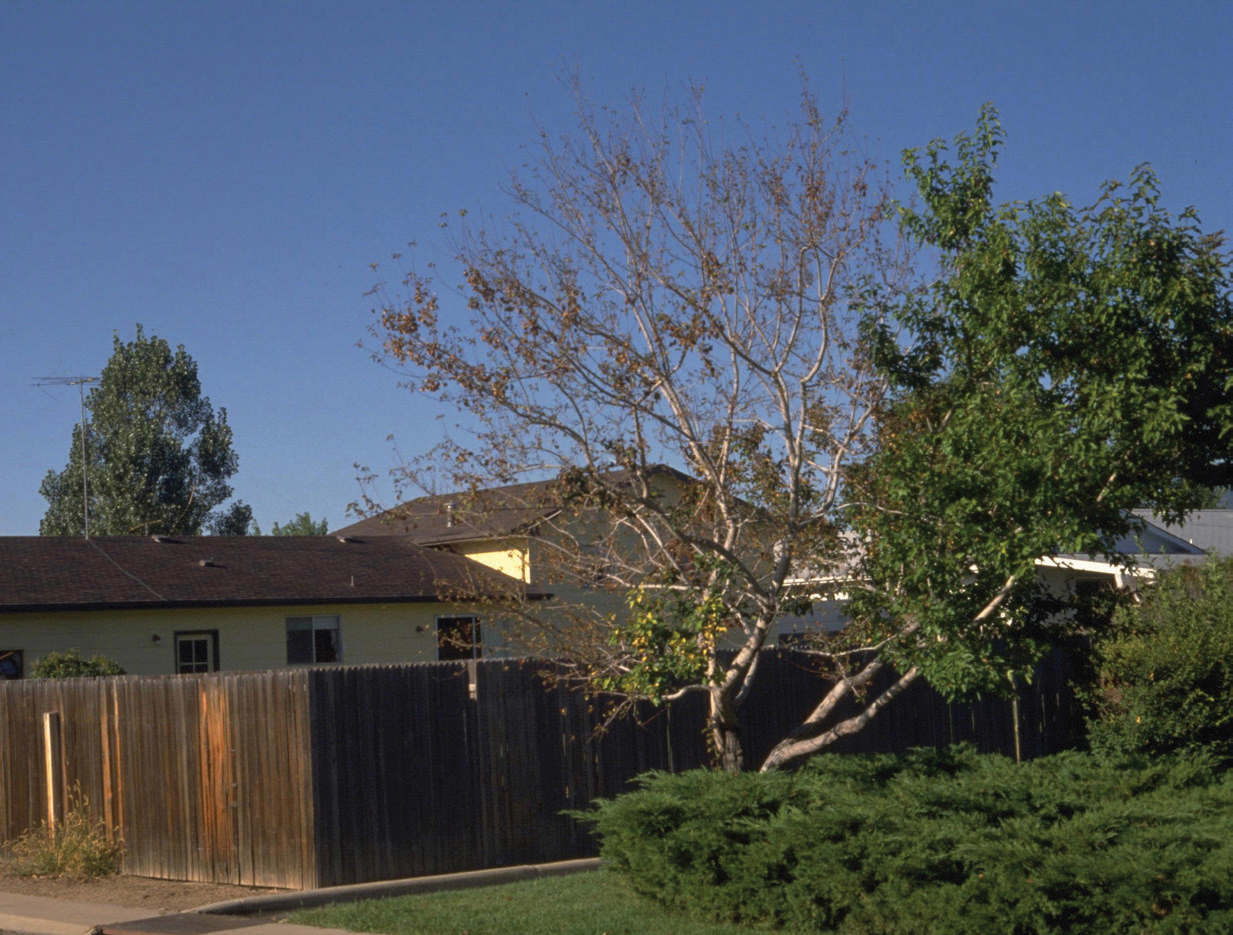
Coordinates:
<point>80,846</point>
<point>70,664</point>
<point>1164,673</point>
<point>946,843</point>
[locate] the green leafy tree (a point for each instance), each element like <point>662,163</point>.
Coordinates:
<point>1164,673</point>
<point>70,664</point>
<point>1068,365</point>
<point>158,457</point>
<point>302,525</point>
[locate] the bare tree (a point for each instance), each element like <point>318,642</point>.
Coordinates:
<point>666,297</point>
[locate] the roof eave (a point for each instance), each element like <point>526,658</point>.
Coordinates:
<point>85,606</point>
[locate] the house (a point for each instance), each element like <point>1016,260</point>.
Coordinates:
<point>529,531</point>
<point>165,604</point>
<point>408,585</point>
<point>1149,548</point>
<point>493,526</point>
<point>511,529</point>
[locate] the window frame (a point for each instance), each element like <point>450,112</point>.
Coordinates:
<point>7,654</point>
<point>457,655</point>
<point>211,635</point>
<point>313,628</point>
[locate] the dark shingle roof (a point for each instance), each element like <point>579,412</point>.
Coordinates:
<point>445,518</point>
<point>483,514</point>
<point>64,573</point>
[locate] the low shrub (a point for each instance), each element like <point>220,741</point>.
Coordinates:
<point>1164,672</point>
<point>70,664</point>
<point>941,842</point>
<point>79,847</point>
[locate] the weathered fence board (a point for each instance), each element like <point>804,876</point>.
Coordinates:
<point>316,777</point>
<point>200,774</point>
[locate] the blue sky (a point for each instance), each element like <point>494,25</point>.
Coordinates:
<point>226,172</point>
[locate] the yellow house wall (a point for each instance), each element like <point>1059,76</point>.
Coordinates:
<point>248,637</point>
<point>508,556</point>
<point>517,556</point>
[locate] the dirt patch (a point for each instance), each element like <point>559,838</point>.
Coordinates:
<point>158,896</point>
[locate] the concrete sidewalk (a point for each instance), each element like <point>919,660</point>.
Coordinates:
<point>55,917</point>
<point>35,915</point>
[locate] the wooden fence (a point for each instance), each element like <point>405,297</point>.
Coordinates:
<point>202,775</point>
<point>318,777</point>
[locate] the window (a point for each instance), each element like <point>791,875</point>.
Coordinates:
<point>458,638</point>
<point>313,640</point>
<point>196,651</point>
<point>1094,602</point>
<point>10,664</point>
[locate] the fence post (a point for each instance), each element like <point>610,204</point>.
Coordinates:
<point>54,763</point>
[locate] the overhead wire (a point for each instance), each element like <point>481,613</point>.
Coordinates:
<point>126,571</point>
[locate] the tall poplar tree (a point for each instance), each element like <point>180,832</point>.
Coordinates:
<point>158,456</point>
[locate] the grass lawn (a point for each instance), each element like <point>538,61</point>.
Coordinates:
<point>597,903</point>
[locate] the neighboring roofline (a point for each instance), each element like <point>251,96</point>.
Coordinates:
<point>1142,566</point>
<point>464,533</point>
<point>63,575</point>
<point>1064,562</point>
<point>1209,529</point>
<point>530,594</point>
<point>460,533</point>
<point>1157,525</point>
<point>527,530</point>
<point>1096,566</point>
<point>219,604</point>
<point>651,470</point>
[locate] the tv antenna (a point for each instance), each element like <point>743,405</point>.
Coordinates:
<point>80,383</point>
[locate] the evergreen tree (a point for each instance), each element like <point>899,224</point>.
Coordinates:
<point>158,457</point>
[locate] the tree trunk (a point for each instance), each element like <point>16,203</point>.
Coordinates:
<point>812,736</point>
<point>725,732</point>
